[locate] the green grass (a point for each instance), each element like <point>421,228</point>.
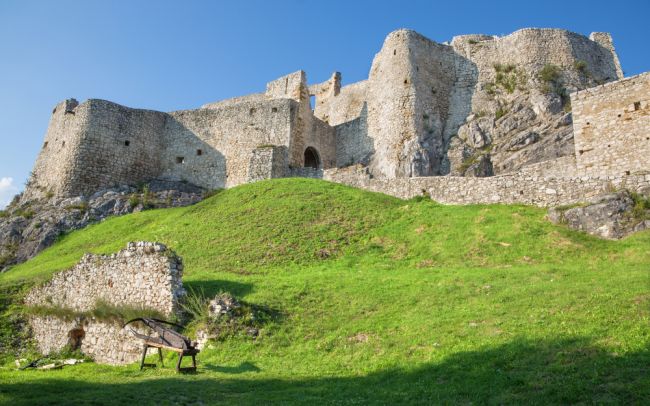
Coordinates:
<point>382,301</point>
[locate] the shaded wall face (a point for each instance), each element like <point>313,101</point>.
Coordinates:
<point>226,138</point>
<point>612,127</point>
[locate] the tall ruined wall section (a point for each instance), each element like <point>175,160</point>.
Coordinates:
<point>612,127</point>
<point>97,144</point>
<point>59,154</point>
<point>435,109</point>
<point>212,147</point>
<point>408,93</point>
<point>144,275</point>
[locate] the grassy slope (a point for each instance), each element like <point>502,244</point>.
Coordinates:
<point>417,302</point>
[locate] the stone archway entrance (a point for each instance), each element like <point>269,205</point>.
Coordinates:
<point>312,159</point>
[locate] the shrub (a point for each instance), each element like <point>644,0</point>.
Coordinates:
<point>134,200</point>
<point>641,208</point>
<point>550,73</point>
<point>26,213</point>
<point>501,111</point>
<point>83,207</point>
<point>4,213</point>
<point>580,66</point>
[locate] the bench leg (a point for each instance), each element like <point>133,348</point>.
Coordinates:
<point>178,365</point>
<point>160,356</point>
<point>194,361</point>
<point>144,355</point>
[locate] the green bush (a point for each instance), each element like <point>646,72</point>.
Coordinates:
<point>580,66</point>
<point>550,73</point>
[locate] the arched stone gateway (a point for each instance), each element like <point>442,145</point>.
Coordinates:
<point>312,158</point>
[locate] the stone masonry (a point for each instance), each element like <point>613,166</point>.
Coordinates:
<point>476,106</point>
<point>144,275</point>
<point>612,126</point>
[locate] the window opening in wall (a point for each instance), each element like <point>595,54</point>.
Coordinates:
<point>63,144</point>
<point>45,144</point>
<point>251,111</point>
<point>274,109</point>
<point>619,115</point>
<point>394,51</point>
<point>637,106</point>
<point>312,159</point>
<point>127,143</point>
<point>627,172</point>
<point>180,160</point>
<point>54,110</point>
<point>199,152</point>
<point>406,81</point>
<point>312,102</point>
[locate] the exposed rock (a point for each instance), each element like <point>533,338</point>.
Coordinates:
<point>611,216</point>
<point>222,304</point>
<point>481,168</point>
<point>33,226</point>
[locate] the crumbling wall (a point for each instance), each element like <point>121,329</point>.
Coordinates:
<point>95,145</point>
<point>612,127</point>
<point>59,153</point>
<point>212,147</point>
<point>143,276</point>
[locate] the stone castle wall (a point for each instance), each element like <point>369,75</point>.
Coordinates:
<point>100,144</point>
<point>516,188</point>
<point>612,127</point>
<point>419,100</point>
<point>144,275</point>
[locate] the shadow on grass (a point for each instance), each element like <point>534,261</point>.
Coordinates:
<point>553,372</point>
<point>239,369</point>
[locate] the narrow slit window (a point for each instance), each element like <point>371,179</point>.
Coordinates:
<point>199,152</point>
<point>180,160</point>
<point>127,143</point>
<point>637,106</point>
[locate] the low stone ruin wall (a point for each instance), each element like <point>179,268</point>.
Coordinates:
<point>521,187</point>
<point>143,276</point>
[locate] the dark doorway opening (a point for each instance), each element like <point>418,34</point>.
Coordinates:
<point>312,159</point>
<point>75,336</point>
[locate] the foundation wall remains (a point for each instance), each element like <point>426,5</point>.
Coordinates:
<point>143,276</point>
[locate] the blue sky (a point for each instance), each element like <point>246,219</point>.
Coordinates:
<point>169,55</point>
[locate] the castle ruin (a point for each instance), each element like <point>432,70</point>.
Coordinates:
<point>478,119</point>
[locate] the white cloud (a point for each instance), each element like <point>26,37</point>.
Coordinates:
<point>7,191</point>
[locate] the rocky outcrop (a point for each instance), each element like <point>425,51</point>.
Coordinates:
<point>610,216</point>
<point>29,227</point>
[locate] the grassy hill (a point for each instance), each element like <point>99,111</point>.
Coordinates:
<point>382,301</point>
